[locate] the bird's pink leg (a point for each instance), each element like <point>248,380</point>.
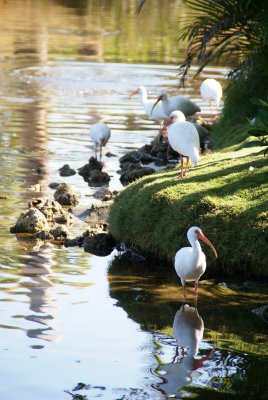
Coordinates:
<point>196,291</point>
<point>184,292</point>
<point>101,143</point>
<point>187,162</point>
<point>176,353</point>
<point>182,350</point>
<point>181,158</point>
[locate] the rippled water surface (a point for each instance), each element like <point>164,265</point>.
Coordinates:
<point>73,324</point>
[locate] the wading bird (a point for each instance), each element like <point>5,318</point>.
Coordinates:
<point>100,134</point>
<point>157,113</point>
<point>211,90</point>
<point>177,103</point>
<point>190,262</point>
<point>183,138</point>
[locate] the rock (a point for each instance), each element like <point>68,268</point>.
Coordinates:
<point>78,241</point>
<point>134,256</point>
<point>103,194</point>
<point>131,174</point>
<point>30,221</point>
<point>39,170</point>
<point>92,165</point>
<point>66,170</point>
<point>159,148</point>
<point>147,158</point>
<point>66,195</point>
<point>35,188</point>
<point>45,235</point>
<point>52,210</point>
<point>101,244</point>
<point>262,312</point>
<point>60,232</point>
<point>54,185</point>
<point>146,148</point>
<point>108,154</point>
<point>126,165</point>
<point>132,157</point>
<point>98,177</point>
<point>2,197</point>
<point>92,172</point>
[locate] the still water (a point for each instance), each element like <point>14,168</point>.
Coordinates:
<point>77,326</point>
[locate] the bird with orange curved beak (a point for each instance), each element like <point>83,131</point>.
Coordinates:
<point>177,103</point>
<point>190,262</point>
<point>157,113</point>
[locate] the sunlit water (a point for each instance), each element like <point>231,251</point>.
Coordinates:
<point>68,317</point>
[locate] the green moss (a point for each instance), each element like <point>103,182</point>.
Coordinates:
<point>220,195</point>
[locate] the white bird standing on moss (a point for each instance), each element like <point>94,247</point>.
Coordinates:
<point>183,138</point>
<point>177,103</point>
<point>211,90</point>
<point>158,113</point>
<point>190,262</point>
<point>100,134</point>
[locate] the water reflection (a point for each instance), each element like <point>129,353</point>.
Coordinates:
<point>188,329</point>
<point>38,265</point>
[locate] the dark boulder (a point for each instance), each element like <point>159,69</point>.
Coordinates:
<point>66,170</point>
<point>101,244</point>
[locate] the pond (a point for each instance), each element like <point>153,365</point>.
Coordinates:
<point>78,326</point>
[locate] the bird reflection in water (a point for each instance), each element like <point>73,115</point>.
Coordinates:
<point>37,266</point>
<point>188,329</point>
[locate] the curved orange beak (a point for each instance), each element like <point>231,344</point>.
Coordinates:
<point>205,239</point>
<point>157,101</point>
<point>164,127</point>
<point>132,94</point>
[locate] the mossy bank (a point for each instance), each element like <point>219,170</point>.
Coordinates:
<point>225,195</point>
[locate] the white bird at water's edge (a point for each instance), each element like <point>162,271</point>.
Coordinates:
<point>183,138</point>
<point>100,134</point>
<point>211,90</point>
<point>190,262</point>
<point>177,103</point>
<point>158,113</point>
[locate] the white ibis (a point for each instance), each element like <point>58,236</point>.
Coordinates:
<point>211,90</point>
<point>188,329</point>
<point>177,103</point>
<point>183,138</point>
<point>100,134</point>
<point>158,113</point>
<point>190,262</point>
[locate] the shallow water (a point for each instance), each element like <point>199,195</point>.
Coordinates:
<point>68,317</point>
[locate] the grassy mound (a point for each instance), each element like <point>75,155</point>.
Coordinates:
<point>221,196</point>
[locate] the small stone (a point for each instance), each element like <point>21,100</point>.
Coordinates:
<point>66,195</point>
<point>54,185</point>
<point>103,194</point>
<point>66,170</point>
<point>39,170</point>
<point>35,188</point>
<point>59,232</point>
